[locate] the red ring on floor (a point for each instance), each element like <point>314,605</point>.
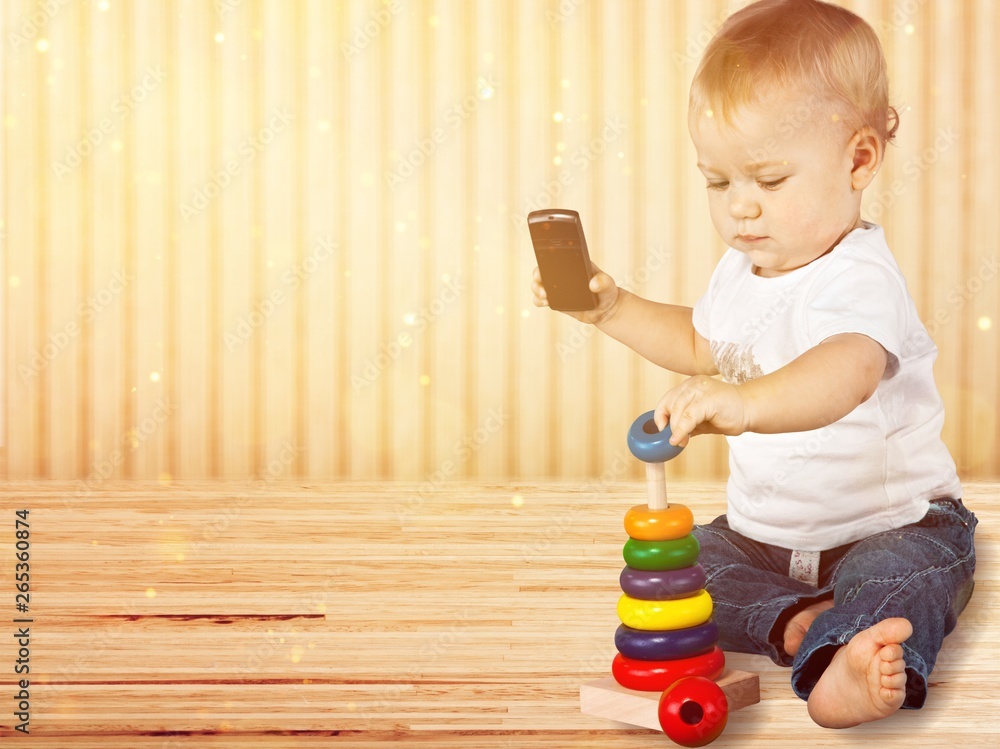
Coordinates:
<point>655,676</point>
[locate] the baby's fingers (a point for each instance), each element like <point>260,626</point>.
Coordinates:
<point>540,297</point>
<point>679,420</point>
<point>661,415</point>
<point>601,281</point>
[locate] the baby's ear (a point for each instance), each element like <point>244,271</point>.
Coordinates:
<point>867,155</point>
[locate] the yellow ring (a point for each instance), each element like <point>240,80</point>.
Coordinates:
<point>644,524</point>
<point>679,613</point>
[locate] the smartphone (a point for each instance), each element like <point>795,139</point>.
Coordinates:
<point>563,260</point>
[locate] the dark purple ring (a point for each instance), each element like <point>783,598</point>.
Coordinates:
<point>666,645</point>
<point>662,585</point>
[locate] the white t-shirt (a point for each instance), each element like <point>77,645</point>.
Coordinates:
<point>875,469</point>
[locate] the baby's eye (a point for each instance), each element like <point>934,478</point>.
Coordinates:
<point>717,185</point>
<point>773,184</point>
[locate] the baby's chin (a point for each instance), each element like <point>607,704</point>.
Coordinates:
<point>770,263</point>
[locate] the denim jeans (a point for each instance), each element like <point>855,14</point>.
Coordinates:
<point>922,572</point>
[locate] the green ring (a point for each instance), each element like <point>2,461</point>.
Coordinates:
<point>661,555</point>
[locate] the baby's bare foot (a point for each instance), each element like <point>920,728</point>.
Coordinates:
<point>866,679</point>
<point>798,625</point>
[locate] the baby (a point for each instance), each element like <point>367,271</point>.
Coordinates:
<point>846,552</point>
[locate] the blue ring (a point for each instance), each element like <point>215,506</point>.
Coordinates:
<point>662,585</point>
<point>651,447</point>
<point>666,645</point>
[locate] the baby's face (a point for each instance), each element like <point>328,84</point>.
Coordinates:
<point>779,181</point>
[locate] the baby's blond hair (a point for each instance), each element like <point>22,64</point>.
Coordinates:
<point>773,45</point>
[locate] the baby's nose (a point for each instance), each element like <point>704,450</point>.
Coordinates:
<point>743,205</point>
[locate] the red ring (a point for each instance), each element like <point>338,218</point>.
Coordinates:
<point>693,711</point>
<point>655,676</point>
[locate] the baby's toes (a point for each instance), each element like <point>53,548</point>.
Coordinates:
<point>894,681</point>
<point>895,666</point>
<point>891,653</point>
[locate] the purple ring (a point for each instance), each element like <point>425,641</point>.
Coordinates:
<point>662,585</point>
<point>666,645</point>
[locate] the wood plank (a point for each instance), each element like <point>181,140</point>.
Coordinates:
<point>371,637</point>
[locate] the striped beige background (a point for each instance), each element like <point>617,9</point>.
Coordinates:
<point>271,238</point>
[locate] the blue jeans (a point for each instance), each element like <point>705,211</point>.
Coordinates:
<point>922,572</point>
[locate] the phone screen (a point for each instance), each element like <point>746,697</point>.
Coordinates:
<point>563,260</point>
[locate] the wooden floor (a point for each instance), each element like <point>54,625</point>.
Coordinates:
<point>356,615</point>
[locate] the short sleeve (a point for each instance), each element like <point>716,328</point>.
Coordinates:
<point>865,298</point>
<point>699,317</point>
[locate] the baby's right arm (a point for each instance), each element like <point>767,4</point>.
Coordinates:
<point>662,333</point>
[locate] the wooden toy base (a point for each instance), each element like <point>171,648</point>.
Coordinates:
<point>606,698</point>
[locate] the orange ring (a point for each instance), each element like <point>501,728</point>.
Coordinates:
<point>644,524</point>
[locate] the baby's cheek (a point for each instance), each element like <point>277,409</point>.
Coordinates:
<point>803,215</point>
<point>720,215</point>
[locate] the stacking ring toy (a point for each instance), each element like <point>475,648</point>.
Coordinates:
<point>679,613</point>
<point>662,585</point>
<point>644,524</point>
<point>648,443</point>
<point>693,711</point>
<point>661,555</point>
<point>655,676</point>
<point>666,645</point>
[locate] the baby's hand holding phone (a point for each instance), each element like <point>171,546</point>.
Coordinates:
<point>577,286</point>
<point>600,283</point>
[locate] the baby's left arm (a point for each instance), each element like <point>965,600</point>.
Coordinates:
<point>823,385</point>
